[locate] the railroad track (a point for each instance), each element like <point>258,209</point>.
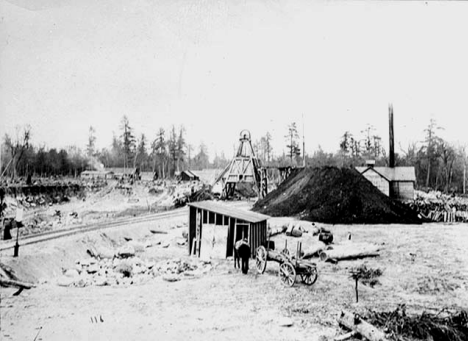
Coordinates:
<point>78,229</point>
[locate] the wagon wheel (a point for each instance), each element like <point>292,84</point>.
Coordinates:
<point>261,259</point>
<point>287,274</point>
<point>285,252</point>
<point>310,277</point>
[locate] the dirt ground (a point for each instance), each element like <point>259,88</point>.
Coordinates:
<point>424,267</point>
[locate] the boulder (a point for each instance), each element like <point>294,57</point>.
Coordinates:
<point>171,278</point>
<point>72,273</point>
<point>126,251</point>
<point>137,246</point>
<point>65,281</point>
<point>124,268</point>
<point>85,262</point>
<point>93,268</point>
<point>100,281</point>
<point>285,322</point>
<point>181,241</point>
<point>105,253</point>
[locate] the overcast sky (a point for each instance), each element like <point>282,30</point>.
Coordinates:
<point>222,66</point>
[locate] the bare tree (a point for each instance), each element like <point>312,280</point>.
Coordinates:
<point>447,155</point>
<point>128,140</point>
<point>17,147</point>
<point>291,138</point>
<point>91,146</point>
<point>430,147</point>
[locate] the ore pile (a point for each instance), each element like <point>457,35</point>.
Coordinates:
<point>336,196</point>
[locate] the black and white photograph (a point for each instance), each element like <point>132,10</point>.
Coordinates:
<point>233,170</point>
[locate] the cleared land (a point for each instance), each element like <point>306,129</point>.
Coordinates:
<point>424,266</point>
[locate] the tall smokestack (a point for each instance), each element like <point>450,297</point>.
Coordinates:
<point>391,161</point>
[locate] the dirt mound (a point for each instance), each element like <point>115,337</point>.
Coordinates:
<point>334,195</point>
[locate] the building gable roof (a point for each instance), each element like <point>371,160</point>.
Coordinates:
<point>391,174</point>
<point>190,173</point>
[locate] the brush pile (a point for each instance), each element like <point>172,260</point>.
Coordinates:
<point>444,326</point>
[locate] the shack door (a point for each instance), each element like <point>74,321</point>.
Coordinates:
<point>214,241</point>
<point>242,231</point>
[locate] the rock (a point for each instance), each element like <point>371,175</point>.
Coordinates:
<point>72,273</point>
<point>285,322</point>
<point>65,281</point>
<point>124,268</point>
<point>184,234</point>
<point>126,251</point>
<point>181,241</point>
<point>105,253</point>
<point>138,269</point>
<point>137,246</point>
<point>207,269</point>
<point>148,244</point>
<point>85,262</point>
<point>100,281</point>
<point>165,244</point>
<point>93,268</point>
<point>136,261</point>
<point>171,278</point>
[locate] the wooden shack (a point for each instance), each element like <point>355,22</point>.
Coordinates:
<point>188,175</point>
<point>395,182</point>
<point>214,228</point>
<point>94,175</point>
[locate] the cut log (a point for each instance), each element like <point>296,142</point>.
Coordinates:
<point>357,324</point>
<point>277,256</point>
<point>345,336</point>
<point>314,250</point>
<point>275,230</point>
<point>349,252</point>
<point>12,283</point>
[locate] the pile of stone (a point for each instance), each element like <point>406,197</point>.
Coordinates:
<point>130,271</point>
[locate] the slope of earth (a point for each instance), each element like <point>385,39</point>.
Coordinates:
<point>334,195</point>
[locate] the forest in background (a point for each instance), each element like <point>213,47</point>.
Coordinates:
<point>439,164</point>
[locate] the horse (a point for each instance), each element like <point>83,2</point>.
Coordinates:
<point>242,251</point>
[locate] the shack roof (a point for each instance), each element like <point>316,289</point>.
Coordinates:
<point>249,216</point>
<point>391,174</point>
<point>121,170</point>
<point>190,174</point>
<point>95,172</point>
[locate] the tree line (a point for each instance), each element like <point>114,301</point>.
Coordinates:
<point>438,164</point>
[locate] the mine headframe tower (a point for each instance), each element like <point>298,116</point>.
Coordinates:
<point>245,167</point>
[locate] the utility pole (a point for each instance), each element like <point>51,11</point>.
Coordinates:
<point>391,161</point>
<point>1,177</point>
<point>464,178</point>
<point>303,143</point>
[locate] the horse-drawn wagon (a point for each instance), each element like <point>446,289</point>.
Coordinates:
<point>289,266</point>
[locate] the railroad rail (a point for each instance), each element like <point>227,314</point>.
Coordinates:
<point>78,229</point>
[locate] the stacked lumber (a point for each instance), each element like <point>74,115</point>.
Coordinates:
<point>439,207</point>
